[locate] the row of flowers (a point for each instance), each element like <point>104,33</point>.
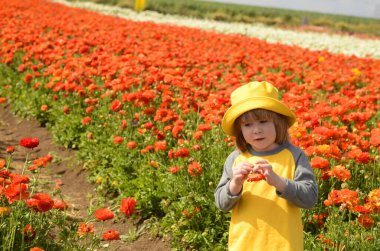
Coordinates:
<point>142,102</point>
<point>17,192</point>
<point>344,44</point>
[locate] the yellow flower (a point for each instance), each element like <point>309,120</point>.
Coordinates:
<point>356,72</point>
<point>5,211</point>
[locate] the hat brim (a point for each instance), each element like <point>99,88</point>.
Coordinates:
<point>254,103</point>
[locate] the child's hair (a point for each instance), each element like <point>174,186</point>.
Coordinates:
<point>280,122</point>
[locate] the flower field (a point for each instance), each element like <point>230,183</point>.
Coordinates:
<point>142,103</point>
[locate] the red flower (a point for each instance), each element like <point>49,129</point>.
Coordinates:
<point>10,149</point>
<point>204,127</point>
<point>255,177</point>
<point>160,146</point>
<point>131,144</point>
<point>116,105</point>
<point>319,162</point>
<point>182,152</point>
<point>111,235</point>
<point>40,202</point>
<point>104,214</point>
<point>174,169</point>
<point>36,249</point>
<point>18,178</point>
<point>28,78</point>
<point>194,169</point>
<point>375,137</point>
<point>127,206</point>
<point>29,142</point>
<point>66,110</point>
<point>118,140</point>
<point>60,204</point>
<point>29,232</point>
<point>86,120</point>
<point>16,192</point>
<point>2,163</point>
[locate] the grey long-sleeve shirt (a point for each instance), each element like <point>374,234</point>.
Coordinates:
<point>302,191</point>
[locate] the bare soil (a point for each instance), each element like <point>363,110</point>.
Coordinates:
<point>77,192</point>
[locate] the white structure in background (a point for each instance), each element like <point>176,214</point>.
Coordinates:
<point>359,8</point>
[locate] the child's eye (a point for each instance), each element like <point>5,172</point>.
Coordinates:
<point>263,121</point>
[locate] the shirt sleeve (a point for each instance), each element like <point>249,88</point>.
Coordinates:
<point>303,190</point>
<point>223,198</point>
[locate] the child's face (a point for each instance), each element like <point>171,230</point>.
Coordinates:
<point>260,134</point>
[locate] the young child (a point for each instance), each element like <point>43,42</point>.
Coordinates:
<point>267,179</point>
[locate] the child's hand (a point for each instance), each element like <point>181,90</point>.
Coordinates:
<point>240,174</point>
<point>265,168</point>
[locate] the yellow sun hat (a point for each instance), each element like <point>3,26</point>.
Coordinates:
<point>254,95</point>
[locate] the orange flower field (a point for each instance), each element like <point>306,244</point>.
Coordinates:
<point>142,104</point>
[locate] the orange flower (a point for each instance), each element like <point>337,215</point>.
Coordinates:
<point>204,127</point>
<point>118,140</point>
<point>36,249</point>
<point>197,135</point>
<point>345,196</point>
<point>366,221</point>
<point>89,109</point>
<point>341,173</point>
<point>104,214</point>
<point>111,235</point>
<point>127,206</point>
<point>374,200</point>
<point>176,130</point>
<point>160,146</point>
<point>4,211</point>
<point>2,163</point>
<point>375,137</point>
<point>10,149</point>
<point>319,162</point>
<point>255,177</point>
<point>85,228</point>
<point>131,144</point>
<point>185,213</point>
<point>174,169</point>
<point>44,108</point>
<point>147,149</point>
<point>153,163</point>
<point>194,169</point>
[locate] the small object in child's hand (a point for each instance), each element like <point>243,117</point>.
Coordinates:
<point>255,177</point>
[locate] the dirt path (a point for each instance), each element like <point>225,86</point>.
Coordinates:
<point>76,190</point>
